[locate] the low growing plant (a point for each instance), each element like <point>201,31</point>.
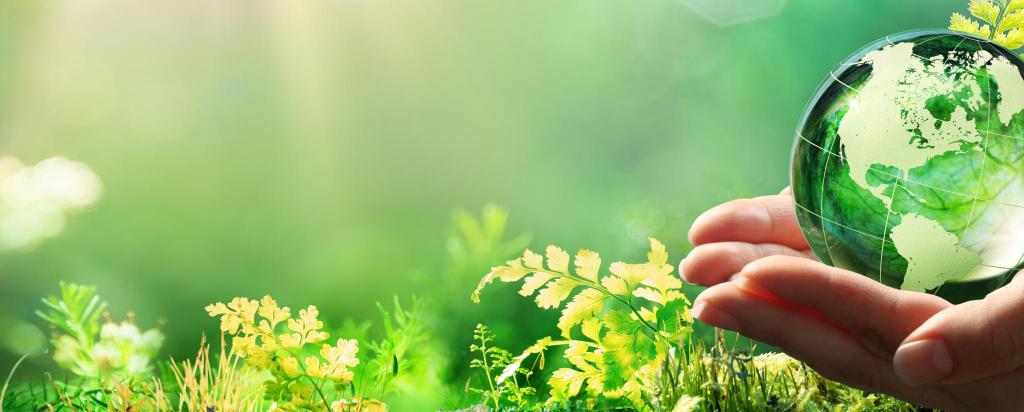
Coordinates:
<point>307,373</point>
<point>627,339</point>
<point>110,363</point>
<point>492,361</point>
<point>224,384</point>
<point>618,329</point>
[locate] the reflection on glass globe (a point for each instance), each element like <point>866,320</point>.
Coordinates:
<point>907,166</point>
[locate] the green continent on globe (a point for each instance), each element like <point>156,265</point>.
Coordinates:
<point>908,166</point>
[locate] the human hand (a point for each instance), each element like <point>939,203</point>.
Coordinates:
<point>765,283</point>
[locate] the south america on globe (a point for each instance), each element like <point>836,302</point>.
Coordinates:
<point>908,164</point>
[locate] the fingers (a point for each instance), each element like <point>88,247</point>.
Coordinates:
<point>823,346</point>
<point>766,219</point>
<point>729,307</point>
<point>714,263</point>
<point>880,317</point>
<point>967,342</point>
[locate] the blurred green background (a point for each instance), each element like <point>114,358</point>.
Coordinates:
<point>315,149</point>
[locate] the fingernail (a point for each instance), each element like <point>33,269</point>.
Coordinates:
<point>682,273</point>
<point>923,361</point>
<point>714,317</point>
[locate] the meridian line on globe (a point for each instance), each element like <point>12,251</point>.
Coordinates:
<point>821,199</point>
<point>841,82</point>
<point>841,156</point>
<point>876,237</point>
<point>885,228</point>
<point>917,183</point>
<point>1015,100</point>
<point>927,131</point>
<point>981,173</point>
<point>1003,135</point>
<point>872,135</point>
<point>984,157</point>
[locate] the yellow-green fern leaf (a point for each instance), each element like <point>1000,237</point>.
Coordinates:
<point>583,306</point>
<point>985,10</point>
<point>1014,5</point>
<point>558,260</point>
<point>588,263</point>
<point>1012,39</point>
<point>555,292</point>
<point>1011,21</point>
<point>961,23</point>
<point>534,282</point>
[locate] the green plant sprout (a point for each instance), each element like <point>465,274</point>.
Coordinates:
<point>112,359</point>
<point>491,360</point>
<point>404,332</point>
<point>117,352</point>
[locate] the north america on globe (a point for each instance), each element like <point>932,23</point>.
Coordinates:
<point>907,164</point>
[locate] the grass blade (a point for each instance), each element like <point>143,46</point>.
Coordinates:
<point>3,392</point>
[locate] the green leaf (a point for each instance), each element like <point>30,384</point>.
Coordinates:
<point>583,306</point>
<point>626,348</point>
<point>567,382</point>
<point>555,292</point>
<point>985,10</point>
<point>622,322</point>
<point>670,317</point>
<point>588,263</point>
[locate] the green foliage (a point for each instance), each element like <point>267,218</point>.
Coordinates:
<point>1001,21</point>
<point>490,359</point>
<point>730,379</point>
<point>68,392</point>
<point>308,374</point>
<point>205,384</point>
<point>111,353</point>
<point>624,337</point>
<point>628,321</point>
<point>403,359</point>
<point>627,344</point>
<point>111,362</point>
<point>475,242</point>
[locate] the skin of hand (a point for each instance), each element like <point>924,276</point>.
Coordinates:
<point>765,283</point>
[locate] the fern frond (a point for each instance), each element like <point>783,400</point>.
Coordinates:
<point>986,10</point>
<point>625,340</point>
<point>1002,23</point>
<point>1012,39</point>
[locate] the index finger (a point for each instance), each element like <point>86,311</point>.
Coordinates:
<point>765,219</point>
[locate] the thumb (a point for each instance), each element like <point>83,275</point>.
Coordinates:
<point>967,342</point>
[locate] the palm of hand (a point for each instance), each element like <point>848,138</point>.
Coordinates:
<point>765,283</point>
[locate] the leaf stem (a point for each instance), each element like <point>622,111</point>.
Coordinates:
<point>487,371</point>
<point>317,387</point>
<point>606,292</point>
<point>310,378</point>
<point>600,288</point>
<point>999,21</point>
